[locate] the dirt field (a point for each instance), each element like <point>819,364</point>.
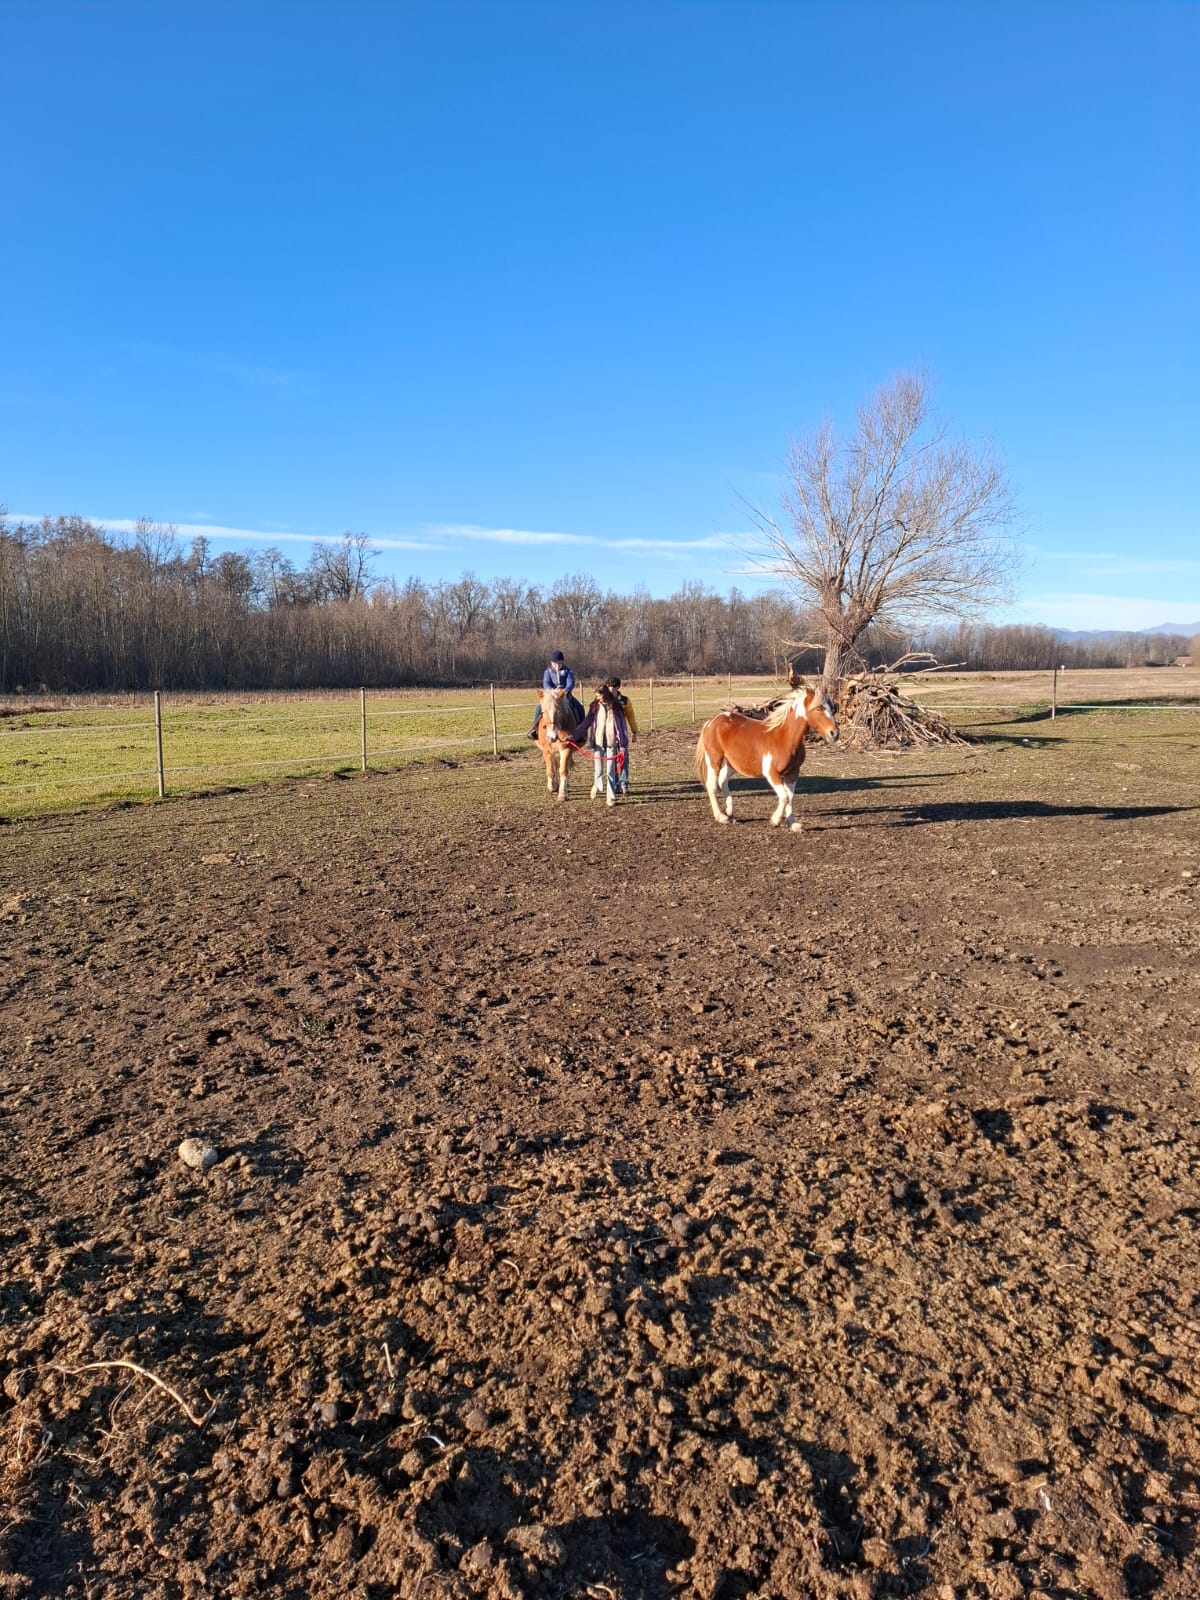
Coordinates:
<point>608,1204</point>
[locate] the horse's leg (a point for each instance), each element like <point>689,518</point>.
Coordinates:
<point>564,767</point>
<point>785,791</point>
<point>793,821</point>
<point>610,775</point>
<point>789,815</point>
<point>548,758</point>
<point>597,772</point>
<point>711,783</point>
<point>723,780</point>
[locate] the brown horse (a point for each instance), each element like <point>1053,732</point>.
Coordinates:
<point>772,748</point>
<point>555,726</point>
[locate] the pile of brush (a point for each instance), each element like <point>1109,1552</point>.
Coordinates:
<point>874,715</point>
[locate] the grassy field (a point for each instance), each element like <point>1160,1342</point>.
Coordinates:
<point>71,753</point>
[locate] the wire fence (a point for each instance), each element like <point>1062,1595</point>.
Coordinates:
<point>51,755</point>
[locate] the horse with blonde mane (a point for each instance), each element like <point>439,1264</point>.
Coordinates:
<point>770,748</point>
<point>555,726</point>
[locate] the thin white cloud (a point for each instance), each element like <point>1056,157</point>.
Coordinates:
<point>527,537</point>
<point>211,530</point>
<point>444,536</point>
<point>382,542</point>
<point>518,536</point>
<point>711,542</point>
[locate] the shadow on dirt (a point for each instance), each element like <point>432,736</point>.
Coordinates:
<point>628,1553</point>
<point>40,1546</point>
<point>1007,811</point>
<point>1024,812</point>
<point>690,791</point>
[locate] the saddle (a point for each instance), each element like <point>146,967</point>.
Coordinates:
<point>759,713</point>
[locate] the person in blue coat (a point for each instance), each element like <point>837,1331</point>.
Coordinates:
<point>557,675</point>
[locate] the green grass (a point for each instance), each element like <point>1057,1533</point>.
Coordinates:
<point>68,755</point>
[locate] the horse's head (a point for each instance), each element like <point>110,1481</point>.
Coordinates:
<point>815,706</point>
<point>554,711</point>
<point>819,714</point>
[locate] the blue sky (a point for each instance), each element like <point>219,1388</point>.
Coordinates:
<point>540,289</point>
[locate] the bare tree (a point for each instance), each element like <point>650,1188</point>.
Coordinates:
<point>342,571</point>
<point>896,523</point>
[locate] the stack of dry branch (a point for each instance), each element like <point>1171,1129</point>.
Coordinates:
<point>873,714</point>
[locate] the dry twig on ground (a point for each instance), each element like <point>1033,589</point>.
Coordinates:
<point>132,1366</point>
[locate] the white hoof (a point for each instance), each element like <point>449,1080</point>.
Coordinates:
<point>721,818</point>
<point>795,826</point>
<point>610,801</point>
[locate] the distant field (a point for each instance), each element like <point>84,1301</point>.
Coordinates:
<point>69,753</point>
<point>1098,686</point>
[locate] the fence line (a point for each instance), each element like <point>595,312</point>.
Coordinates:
<point>238,722</point>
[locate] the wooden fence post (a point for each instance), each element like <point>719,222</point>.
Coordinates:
<point>362,711</point>
<point>495,740</point>
<point>1054,695</point>
<point>651,705</point>
<point>693,697</point>
<point>162,787</point>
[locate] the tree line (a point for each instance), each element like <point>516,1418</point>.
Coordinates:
<point>82,608</point>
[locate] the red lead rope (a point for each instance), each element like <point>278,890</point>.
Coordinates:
<point>619,758</point>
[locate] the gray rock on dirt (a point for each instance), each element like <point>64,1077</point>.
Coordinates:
<point>197,1154</point>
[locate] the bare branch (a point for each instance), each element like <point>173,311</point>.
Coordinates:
<point>132,1366</point>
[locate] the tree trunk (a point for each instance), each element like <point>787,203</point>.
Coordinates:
<point>837,661</point>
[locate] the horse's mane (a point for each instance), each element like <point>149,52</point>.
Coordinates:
<point>796,700</point>
<point>562,712</point>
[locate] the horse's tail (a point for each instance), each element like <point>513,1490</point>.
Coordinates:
<point>700,753</point>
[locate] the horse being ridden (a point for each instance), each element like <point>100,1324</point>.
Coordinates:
<point>772,748</point>
<point>555,730</point>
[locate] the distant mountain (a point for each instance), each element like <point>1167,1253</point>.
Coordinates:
<point>1188,630</point>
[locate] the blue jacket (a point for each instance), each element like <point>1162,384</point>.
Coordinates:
<point>558,678</point>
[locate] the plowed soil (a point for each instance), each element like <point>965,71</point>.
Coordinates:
<point>607,1203</point>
